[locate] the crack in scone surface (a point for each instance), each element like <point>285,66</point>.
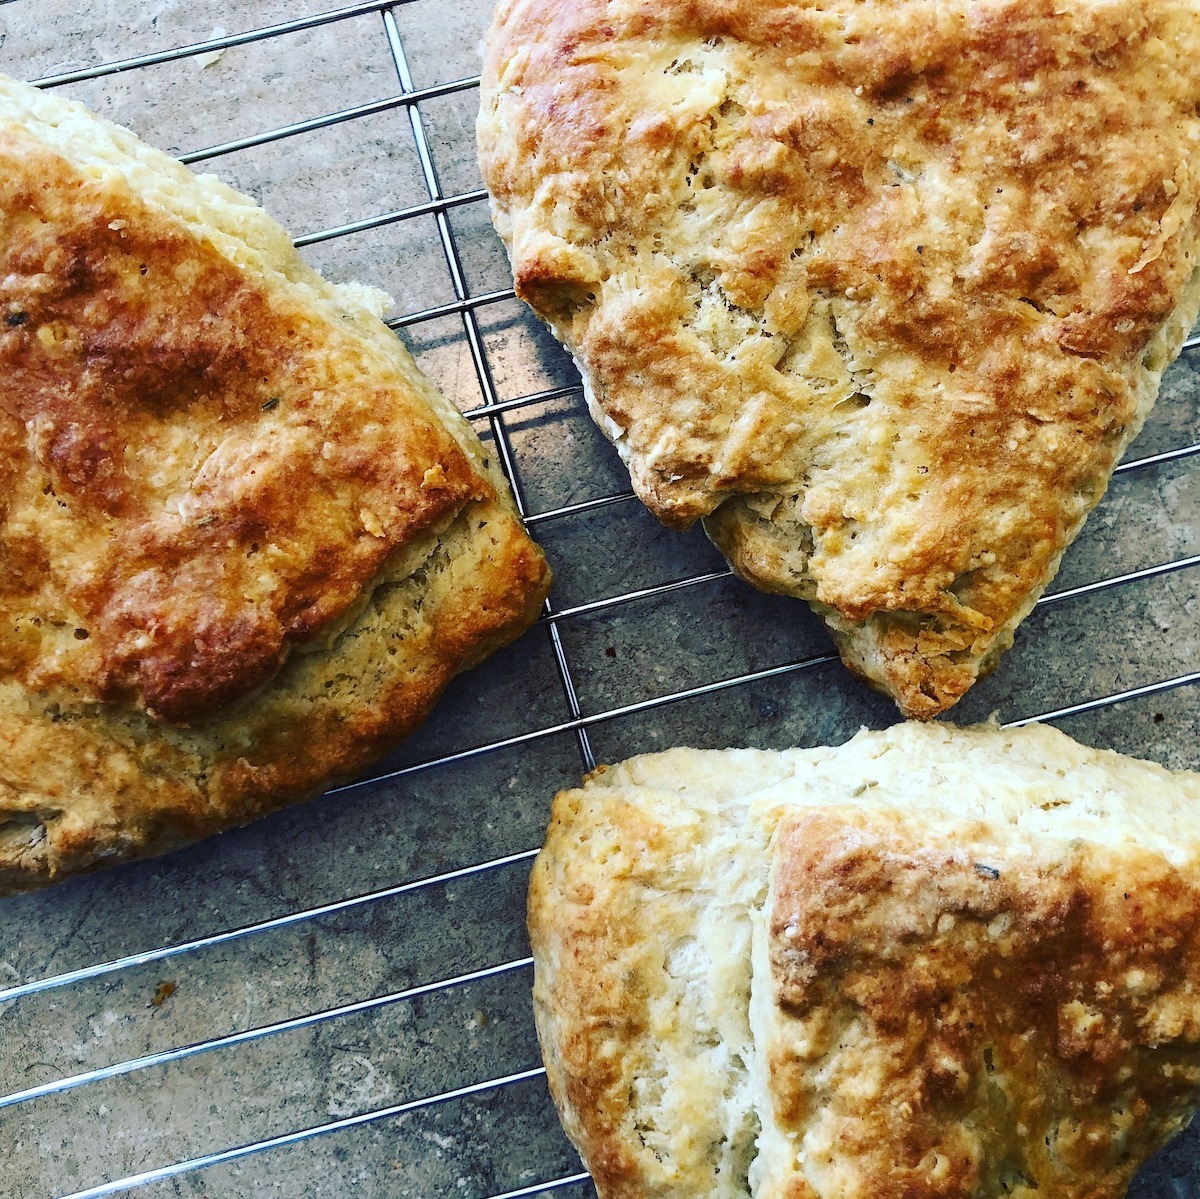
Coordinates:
<point>972,970</point>
<point>877,287</point>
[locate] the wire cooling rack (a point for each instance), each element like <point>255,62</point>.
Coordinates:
<point>334,1001</point>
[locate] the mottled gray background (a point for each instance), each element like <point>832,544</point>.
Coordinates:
<point>467,813</point>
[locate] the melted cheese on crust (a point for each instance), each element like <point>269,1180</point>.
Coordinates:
<point>205,462</point>
<point>881,289</point>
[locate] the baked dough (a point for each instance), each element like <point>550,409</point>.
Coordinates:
<point>244,544</point>
<point>944,963</point>
<point>882,289</point>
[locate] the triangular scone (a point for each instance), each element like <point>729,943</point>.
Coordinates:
<point>945,963</point>
<point>881,288</point>
<point>244,542</point>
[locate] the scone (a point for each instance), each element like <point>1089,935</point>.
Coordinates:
<point>945,963</point>
<point>881,289</point>
<point>244,543</point>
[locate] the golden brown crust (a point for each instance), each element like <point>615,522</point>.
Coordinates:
<point>973,969</point>
<point>882,290</point>
<point>204,470</point>
<point>244,544</point>
<point>583,1009</point>
<point>1019,1025</point>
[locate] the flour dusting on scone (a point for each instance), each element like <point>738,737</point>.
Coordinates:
<point>929,964</point>
<point>882,290</point>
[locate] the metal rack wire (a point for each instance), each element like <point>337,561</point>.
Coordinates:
<point>576,722</point>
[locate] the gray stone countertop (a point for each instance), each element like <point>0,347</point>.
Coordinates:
<point>409,842</point>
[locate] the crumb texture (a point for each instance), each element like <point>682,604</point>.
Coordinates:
<point>970,969</point>
<point>880,289</point>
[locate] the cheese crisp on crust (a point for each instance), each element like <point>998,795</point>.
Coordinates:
<point>243,542</point>
<point>880,288</point>
<point>930,964</point>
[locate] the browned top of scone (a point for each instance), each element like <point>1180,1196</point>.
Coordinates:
<point>201,467</point>
<point>957,1022</point>
<point>884,280</point>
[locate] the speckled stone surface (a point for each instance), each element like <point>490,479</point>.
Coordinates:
<point>386,835</point>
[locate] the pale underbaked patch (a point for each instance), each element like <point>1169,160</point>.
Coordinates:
<point>932,962</point>
<point>882,290</point>
<point>244,542</point>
